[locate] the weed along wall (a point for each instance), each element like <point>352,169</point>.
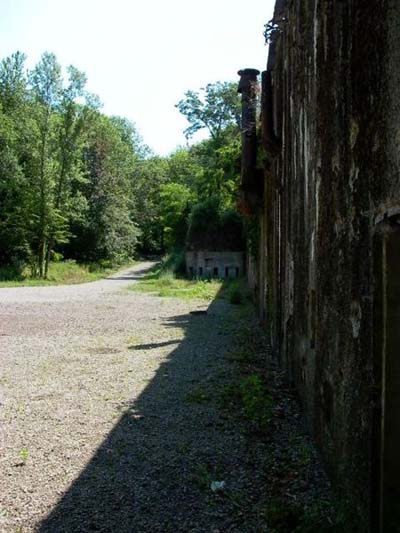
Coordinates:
<point>325,191</point>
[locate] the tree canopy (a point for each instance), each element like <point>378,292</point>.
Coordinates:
<point>79,184</point>
<point>215,107</point>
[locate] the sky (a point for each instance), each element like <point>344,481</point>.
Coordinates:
<point>140,56</point>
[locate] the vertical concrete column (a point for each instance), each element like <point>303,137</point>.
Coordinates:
<point>249,89</point>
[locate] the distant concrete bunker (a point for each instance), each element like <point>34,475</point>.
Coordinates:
<point>208,264</point>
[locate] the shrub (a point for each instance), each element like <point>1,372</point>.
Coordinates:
<point>235,294</point>
<point>211,227</point>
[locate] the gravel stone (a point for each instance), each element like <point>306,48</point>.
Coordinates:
<point>94,385</point>
<point>111,416</point>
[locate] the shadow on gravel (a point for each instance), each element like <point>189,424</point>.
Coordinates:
<point>153,345</point>
<point>153,471</point>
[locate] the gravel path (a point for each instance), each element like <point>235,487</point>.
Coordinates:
<point>101,428</point>
<point>118,412</point>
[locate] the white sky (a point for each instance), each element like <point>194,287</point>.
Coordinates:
<point>141,56</point>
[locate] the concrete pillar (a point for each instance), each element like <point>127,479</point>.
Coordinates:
<point>251,184</point>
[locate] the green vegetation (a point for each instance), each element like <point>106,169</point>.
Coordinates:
<point>166,284</point>
<point>24,454</point>
<point>250,397</point>
<point>65,170</point>
<point>199,396</point>
<point>320,516</point>
<point>213,226</point>
<point>76,182</point>
<point>167,279</point>
<point>62,273</point>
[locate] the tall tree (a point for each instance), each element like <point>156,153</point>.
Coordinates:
<point>148,176</point>
<point>46,82</point>
<point>214,107</point>
<point>176,201</point>
<point>109,230</point>
<point>17,144</point>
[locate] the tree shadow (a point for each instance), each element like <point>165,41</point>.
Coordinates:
<point>153,470</point>
<point>153,345</point>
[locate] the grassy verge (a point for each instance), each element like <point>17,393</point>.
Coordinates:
<point>166,284</point>
<point>295,496</point>
<point>60,273</point>
<point>162,281</point>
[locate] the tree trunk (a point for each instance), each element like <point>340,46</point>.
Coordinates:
<point>50,245</point>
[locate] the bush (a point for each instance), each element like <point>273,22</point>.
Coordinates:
<point>251,397</point>
<point>257,404</point>
<point>11,273</point>
<point>235,294</point>
<point>211,227</point>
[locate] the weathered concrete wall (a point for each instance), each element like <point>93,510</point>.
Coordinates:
<point>331,135</point>
<point>211,264</point>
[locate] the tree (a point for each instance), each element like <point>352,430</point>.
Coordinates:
<point>17,146</point>
<point>12,82</point>
<point>184,168</point>
<point>46,83</point>
<point>213,227</point>
<point>148,176</point>
<point>216,161</point>
<point>109,230</point>
<point>71,179</point>
<point>214,107</point>
<point>11,195</point>
<point>176,201</point>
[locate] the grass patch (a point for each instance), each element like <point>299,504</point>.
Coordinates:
<point>236,291</point>
<point>162,281</point>
<point>250,397</point>
<point>321,516</point>
<point>169,286</point>
<point>197,396</point>
<point>167,280</point>
<point>60,273</point>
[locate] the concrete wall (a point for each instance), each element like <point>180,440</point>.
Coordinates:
<point>215,264</point>
<point>331,196</point>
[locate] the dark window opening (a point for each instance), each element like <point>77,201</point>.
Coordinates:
<point>216,271</point>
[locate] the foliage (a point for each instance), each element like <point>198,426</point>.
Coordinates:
<point>167,285</point>
<point>175,203</point>
<point>235,293</point>
<point>60,273</point>
<point>66,170</point>
<point>147,178</point>
<point>257,403</point>
<point>108,230</point>
<point>253,231</point>
<point>283,516</point>
<point>211,227</point>
<point>250,397</point>
<point>175,262</point>
<point>214,107</point>
<point>24,454</point>
<point>77,182</point>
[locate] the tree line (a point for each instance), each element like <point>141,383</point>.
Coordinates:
<point>77,184</point>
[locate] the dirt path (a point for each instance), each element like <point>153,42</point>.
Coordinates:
<point>99,430</point>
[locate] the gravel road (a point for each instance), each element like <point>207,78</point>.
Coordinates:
<point>103,423</point>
